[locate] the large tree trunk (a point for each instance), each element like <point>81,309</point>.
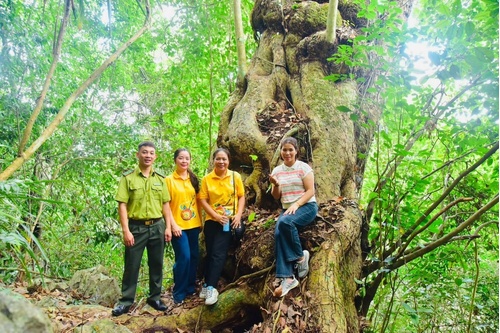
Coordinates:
<point>285,94</point>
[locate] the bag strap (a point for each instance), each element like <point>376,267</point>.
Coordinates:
<point>234,195</point>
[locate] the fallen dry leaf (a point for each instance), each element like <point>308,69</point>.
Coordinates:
<point>277,292</point>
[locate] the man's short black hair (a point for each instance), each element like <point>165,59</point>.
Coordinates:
<point>146,144</point>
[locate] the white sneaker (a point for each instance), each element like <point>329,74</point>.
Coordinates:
<point>203,292</point>
<point>286,285</point>
<point>303,266</point>
<point>212,296</point>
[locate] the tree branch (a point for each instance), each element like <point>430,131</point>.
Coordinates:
<point>411,141</point>
<point>377,264</point>
<point>445,239</point>
<point>240,40</point>
<point>441,198</point>
<point>331,22</point>
<point>18,162</point>
<point>453,239</point>
<point>56,52</point>
<point>428,224</point>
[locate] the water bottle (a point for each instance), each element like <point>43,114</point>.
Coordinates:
<point>225,226</point>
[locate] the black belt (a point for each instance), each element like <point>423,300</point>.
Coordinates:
<point>144,222</point>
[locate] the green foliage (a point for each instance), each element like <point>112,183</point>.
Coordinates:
<point>187,90</point>
<point>18,245</point>
<point>434,294</point>
<point>251,216</point>
<point>269,223</point>
<point>435,125</point>
<point>169,87</point>
<point>381,39</point>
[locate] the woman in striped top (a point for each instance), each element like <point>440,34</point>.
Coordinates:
<point>292,183</point>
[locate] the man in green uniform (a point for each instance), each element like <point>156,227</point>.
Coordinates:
<point>144,212</point>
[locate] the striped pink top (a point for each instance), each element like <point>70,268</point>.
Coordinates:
<point>290,180</point>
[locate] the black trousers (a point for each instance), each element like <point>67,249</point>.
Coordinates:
<point>217,244</point>
<point>151,238</point>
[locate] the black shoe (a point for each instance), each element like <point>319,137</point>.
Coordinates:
<point>157,305</point>
<point>120,309</point>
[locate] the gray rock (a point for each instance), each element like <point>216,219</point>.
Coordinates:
<point>18,315</point>
<point>50,284</point>
<point>95,284</point>
<point>49,302</point>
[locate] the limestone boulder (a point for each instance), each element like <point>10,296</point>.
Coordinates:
<point>96,285</point>
<point>18,315</point>
<point>50,284</point>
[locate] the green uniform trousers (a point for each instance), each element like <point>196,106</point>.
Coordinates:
<point>153,239</point>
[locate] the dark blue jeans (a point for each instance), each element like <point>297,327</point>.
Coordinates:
<point>187,253</point>
<point>286,238</point>
<point>217,243</point>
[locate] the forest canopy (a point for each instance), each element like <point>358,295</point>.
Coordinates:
<point>82,82</point>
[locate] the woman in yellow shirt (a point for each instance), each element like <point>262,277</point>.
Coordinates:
<point>222,196</point>
<point>183,186</point>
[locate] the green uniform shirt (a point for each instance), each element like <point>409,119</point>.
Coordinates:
<point>144,196</point>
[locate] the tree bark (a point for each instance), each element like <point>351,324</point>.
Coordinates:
<point>229,312</point>
<point>240,40</point>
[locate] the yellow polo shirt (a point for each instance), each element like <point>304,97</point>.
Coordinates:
<point>221,192</point>
<point>184,203</point>
<point>144,196</point>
